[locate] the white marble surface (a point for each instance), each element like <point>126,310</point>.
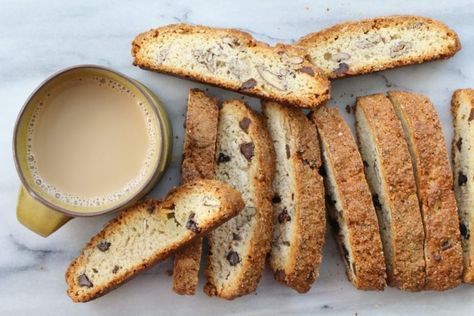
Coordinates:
<point>41,37</point>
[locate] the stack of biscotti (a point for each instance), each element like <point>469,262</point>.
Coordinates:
<point>148,232</point>
<point>349,202</point>
<point>234,60</point>
<point>245,160</point>
<point>407,166</point>
<point>198,162</point>
<point>409,176</point>
<point>361,47</point>
<point>298,200</point>
<point>434,181</point>
<point>391,179</point>
<point>462,108</point>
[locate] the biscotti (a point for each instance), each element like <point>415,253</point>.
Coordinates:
<point>349,202</point>
<point>462,108</point>
<point>245,160</point>
<point>360,47</point>
<point>233,60</point>
<point>391,180</point>
<point>298,201</point>
<point>148,232</point>
<point>198,162</point>
<point>433,177</point>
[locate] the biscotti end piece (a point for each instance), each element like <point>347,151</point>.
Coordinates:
<point>390,175</point>
<point>187,262</point>
<point>234,60</point>
<point>462,108</point>
<point>198,162</point>
<point>360,47</point>
<point>349,202</point>
<point>200,137</point>
<point>433,176</point>
<point>148,232</point>
<point>298,201</point>
<point>245,160</point>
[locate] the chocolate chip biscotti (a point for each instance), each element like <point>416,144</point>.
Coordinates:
<point>434,181</point>
<point>198,162</point>
<point>360,47</point>
<point>299,216</point>
<point>349,202</point>
<point>392,182</point>
<point>233,60</point>
<point>148,232</point>
<point>245,160</point>
<point>462,108</point>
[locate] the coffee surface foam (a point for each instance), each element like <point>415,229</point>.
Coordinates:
<point>91,143</point>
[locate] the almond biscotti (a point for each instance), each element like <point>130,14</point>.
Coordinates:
<point>198,162</point>
<point>245,160</point>
<point>360,47</point>
<point>462,108</point>
<point>392,182</point>
<point>298,201</point>
<point>349,202</point>
<point>433,177</point>
<point>233,60</point>
<point>148,232</point>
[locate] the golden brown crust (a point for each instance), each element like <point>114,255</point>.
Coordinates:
<point>443,254</point>
<point>307,239</point>
<point>198,162</point>
<point>407,270</point>
<point>356,201</point>
<point>261,173</point>
<point>459,96</point>
<point>307,101</point>
<point>200,137</point>
<point>359,27</point>
<point>187,262</point>
<point>231,205</point>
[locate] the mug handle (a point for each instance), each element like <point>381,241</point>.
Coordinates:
<point>37,217</point>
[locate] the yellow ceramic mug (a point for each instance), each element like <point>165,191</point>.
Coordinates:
<point>43,212</point>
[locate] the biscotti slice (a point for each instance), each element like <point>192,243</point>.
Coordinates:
<point>462,108</point>
<point>360,47</point>
<point>198,162</point>
<point>434,181</point>
<point>298,201</point>
<point>233,60</point>
<point>349,202</point>
<point>148,232</point>
<point>392,183</point>
<point>245,160</point>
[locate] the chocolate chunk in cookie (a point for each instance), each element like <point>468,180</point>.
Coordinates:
<point>247,150</point>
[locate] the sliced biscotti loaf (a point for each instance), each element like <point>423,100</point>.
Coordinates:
<point>245,160</point>
<point>298,201</point>
<point>434,181</point>
<point>349,202</point>
<point>148,232</point>
<point>392,183</point>
<point>198,162</point>
<point>462,108</point>
<point>360,47</point>
<point>233,60</point>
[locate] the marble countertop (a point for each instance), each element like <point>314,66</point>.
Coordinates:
<point>39,38</point>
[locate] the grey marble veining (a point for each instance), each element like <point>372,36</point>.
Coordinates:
<point>39,38</point>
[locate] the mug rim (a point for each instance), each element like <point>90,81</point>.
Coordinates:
<point>128,201</point>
